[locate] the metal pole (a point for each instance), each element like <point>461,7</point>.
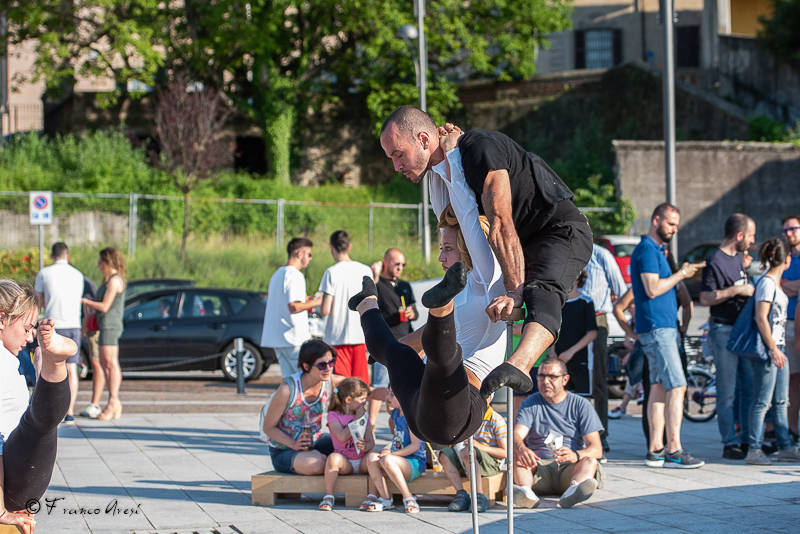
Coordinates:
<point>420,230</point>
<point>279,224</point>
<point>371,215</point>
<point>667,19</point>
<point>419,7</point>
<point>238,347</point>
<point>133,222</point>
<point>41,247</point>
<point>473,486</point>
<point>510,434</point>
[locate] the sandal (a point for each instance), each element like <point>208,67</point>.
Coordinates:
<point>369,501</point>
<point>326,504</point>
<point>410,504</point>
<point>379,505</point>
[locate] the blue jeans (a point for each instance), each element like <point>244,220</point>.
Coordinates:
<point>727,365</point>
<point>660,345</point>
<point>380,375</point>
<point>769,384</point>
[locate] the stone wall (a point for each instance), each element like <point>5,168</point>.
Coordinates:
<point>754,79</point>
<point>82,228</point>
<point>714,179</point>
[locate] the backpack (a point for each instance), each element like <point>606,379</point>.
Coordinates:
<point>745,339</point>
<point>326,387</point>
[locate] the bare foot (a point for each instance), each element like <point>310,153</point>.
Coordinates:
<point>55,347</point>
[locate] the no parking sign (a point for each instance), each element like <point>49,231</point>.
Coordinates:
<point>41,207</point>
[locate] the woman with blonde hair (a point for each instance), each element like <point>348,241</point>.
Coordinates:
<point>441,398</point>
<point>28,426</point>
<point>109,308</point>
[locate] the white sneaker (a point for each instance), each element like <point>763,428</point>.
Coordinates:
<point>91,411</point>
<point>616,413</point>
<point>524,497</point>
<point>577,492</point>
<point>756,457</point>
<point>789,454</point>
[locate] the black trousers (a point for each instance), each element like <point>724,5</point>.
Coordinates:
<point>439,403</point>
<point>600,371</point>
<point>29,453</point>
<point>554,257</point>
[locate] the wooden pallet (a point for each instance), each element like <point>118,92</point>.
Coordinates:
<point>265,487</point>
<point>432,483</point>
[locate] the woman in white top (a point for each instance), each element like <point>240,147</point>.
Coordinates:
<point>771,376</point>
<point>28,430</point>
<point>441,398</point>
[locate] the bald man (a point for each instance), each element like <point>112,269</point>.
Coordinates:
<point>540,238</point>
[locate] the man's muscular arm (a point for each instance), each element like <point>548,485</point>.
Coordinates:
<point>496,199</point>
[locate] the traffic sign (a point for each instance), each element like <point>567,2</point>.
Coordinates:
<point>41,207</point>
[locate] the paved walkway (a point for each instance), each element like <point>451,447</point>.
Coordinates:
<point>161,473</point>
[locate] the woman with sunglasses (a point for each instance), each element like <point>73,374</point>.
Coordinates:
<point>293,421</point>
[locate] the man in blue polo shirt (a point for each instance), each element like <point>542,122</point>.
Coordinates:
<point>656,324</point>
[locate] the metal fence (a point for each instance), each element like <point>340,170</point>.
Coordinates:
<point>115,217</point>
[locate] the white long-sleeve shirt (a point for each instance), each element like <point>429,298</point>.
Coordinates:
<point>483,343</point>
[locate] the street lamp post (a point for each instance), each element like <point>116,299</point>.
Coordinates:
<point>408,33</point>
<point>668,19</point>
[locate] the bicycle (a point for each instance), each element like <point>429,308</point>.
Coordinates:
<point>700,402</point>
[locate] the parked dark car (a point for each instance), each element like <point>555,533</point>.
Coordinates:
<point>176,328</point>
<point>700,252</point>
<point>134,287</point>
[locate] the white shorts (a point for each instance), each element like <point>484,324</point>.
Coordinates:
<point>356,465</point>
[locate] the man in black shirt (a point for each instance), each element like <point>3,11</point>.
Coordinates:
<point>726,289</point>
<point>397,312</point>
<point>540,238</point>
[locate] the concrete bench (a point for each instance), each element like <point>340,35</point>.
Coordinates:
<point>265,487</point>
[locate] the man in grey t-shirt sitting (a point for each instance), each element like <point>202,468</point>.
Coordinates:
<point>556,442</point>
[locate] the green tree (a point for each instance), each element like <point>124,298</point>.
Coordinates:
<point>123,40</point>
<point>780,32</point>
<point>278,59</point>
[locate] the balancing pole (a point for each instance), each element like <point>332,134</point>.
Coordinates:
<point>516,315</point>
<point>473,486</point>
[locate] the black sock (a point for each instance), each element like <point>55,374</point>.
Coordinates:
<point>451,285</point>
<point>506,374</point>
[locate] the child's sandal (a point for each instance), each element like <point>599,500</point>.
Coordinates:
<point>369,501</point>
<point>326,504</point>
<point>410,504</point>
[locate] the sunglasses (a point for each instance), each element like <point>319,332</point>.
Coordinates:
<point>791,229</point>
<point>549,377</point>
<point>322,366</point>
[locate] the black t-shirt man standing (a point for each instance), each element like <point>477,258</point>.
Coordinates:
<point>540,238</point>
<point>726,289</point>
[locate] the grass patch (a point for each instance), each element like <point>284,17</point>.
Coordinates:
<point>245,262</point>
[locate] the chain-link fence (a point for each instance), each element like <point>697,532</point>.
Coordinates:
<point>104,218</point>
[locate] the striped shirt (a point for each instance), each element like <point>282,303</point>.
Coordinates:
<point>604,278</point>
<point>493,430</point>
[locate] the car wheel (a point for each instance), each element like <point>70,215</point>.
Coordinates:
<point>251,362</point>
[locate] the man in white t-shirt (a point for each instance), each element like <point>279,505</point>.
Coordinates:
<point>59,288</point>
<point>343,328</point>
<point>286,318</point>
